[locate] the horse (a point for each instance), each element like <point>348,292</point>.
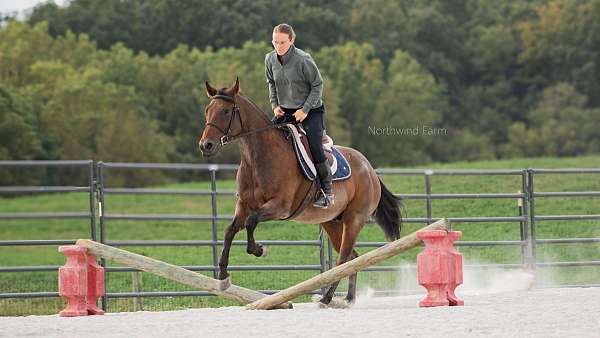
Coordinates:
<point>270,184</point>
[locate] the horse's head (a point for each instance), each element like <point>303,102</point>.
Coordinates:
<point>222,118</point>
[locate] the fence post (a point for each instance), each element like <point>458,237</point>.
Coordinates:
<point>525,223</point>
<point>92,185</point>
<point>532,219</point>
<point>213,199</point>
<point>100,192</point>
<point>428,174</point>
<point>137,287</point>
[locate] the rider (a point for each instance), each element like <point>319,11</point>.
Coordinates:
<point>296,91</point>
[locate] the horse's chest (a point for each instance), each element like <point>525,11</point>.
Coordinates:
<point>253,192</point>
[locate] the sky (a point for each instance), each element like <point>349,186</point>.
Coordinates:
<point>19,5</point>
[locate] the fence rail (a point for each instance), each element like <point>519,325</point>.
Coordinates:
<point>99,191</point>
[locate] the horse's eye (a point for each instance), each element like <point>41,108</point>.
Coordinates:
<point>224,111</point>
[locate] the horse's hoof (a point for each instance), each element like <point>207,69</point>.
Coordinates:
<point>264,251</point>
<point>224,284</point>
<point>339,303</point>
<point>321,301</point>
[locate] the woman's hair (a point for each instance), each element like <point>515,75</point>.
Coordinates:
<point>286,29</point>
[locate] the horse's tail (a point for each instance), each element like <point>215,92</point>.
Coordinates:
<point>387,214</point>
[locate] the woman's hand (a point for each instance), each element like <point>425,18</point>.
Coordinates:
<point>300,115</point>
<point>278,111</point>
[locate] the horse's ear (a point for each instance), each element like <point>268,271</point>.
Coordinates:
<point>210,91</point>
<point>233,90</point>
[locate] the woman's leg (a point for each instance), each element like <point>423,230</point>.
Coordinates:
<point>314,124</point>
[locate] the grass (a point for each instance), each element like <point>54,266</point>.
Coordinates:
<point>299,255</point>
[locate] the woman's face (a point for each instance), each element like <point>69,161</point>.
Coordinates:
<point>281,42</point>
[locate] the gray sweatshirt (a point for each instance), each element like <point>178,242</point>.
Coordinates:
<point>295,84</point>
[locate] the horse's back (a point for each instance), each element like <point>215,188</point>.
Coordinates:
<point>364,182</point>
<point>358,162</point>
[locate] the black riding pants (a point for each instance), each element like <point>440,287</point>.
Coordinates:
<point>314,124</point>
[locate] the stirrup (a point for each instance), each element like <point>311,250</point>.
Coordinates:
<point>329,200</point>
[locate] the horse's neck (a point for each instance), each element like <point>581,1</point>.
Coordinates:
<point>266,150</point>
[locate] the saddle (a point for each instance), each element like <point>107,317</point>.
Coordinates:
<point>340,169</point>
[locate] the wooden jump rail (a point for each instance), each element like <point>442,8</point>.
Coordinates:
<point>349,268</point>
<point>173,272</point>
<point>81,280</point>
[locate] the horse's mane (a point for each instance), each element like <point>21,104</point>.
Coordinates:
<point>252,103</point>
<point>223,91</point>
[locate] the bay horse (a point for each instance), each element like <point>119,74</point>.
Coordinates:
<point>271,186</point>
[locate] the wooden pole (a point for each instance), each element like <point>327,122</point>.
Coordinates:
<point>346,269</point>
<point>137,286</point>
<point>172,272</point>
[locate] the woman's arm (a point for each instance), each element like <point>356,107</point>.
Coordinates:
<point>271,82</point>
<point>313,77</point>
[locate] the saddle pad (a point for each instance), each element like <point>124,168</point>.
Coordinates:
<point>339,167</point>
<point>343,168</point>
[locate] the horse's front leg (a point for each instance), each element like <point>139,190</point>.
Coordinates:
<point>252,247</point>
<point>269,211</point>
<point>230,232</point>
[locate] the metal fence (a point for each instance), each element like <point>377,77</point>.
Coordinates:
<point>535,196</point>
<point>525,216</point>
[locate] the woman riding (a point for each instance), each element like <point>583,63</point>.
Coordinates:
<point>296,91</point>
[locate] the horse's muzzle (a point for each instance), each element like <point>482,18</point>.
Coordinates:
<point>209,147</point>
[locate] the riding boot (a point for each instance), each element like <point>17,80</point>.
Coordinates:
<point>326,197</point>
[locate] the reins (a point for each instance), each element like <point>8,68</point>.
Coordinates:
<point>226,138</point>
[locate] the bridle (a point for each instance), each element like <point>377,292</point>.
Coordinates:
<point>226,138</point>
<point>234,111</point>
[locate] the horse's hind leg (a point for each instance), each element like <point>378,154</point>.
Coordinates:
<point>334,231</point>
<point>346,249</point>
<point>351,296</point>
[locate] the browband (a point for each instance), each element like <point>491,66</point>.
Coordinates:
<point>223,97</point>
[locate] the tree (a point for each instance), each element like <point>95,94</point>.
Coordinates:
<point>356,78</point>
<point>19,138</point>
<point>409,108</point>
<point>560,125</point>
<point>561,45</point>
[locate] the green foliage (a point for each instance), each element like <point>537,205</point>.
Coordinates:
<point>561,45</point>
<point>18,136</point>
<point>463,144</point>
<point>477,69</point>
<point>357,79</point>
<point>159,26</point>
<point>59,103</point>
<point>559,125</point>
<point>411,101</point>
